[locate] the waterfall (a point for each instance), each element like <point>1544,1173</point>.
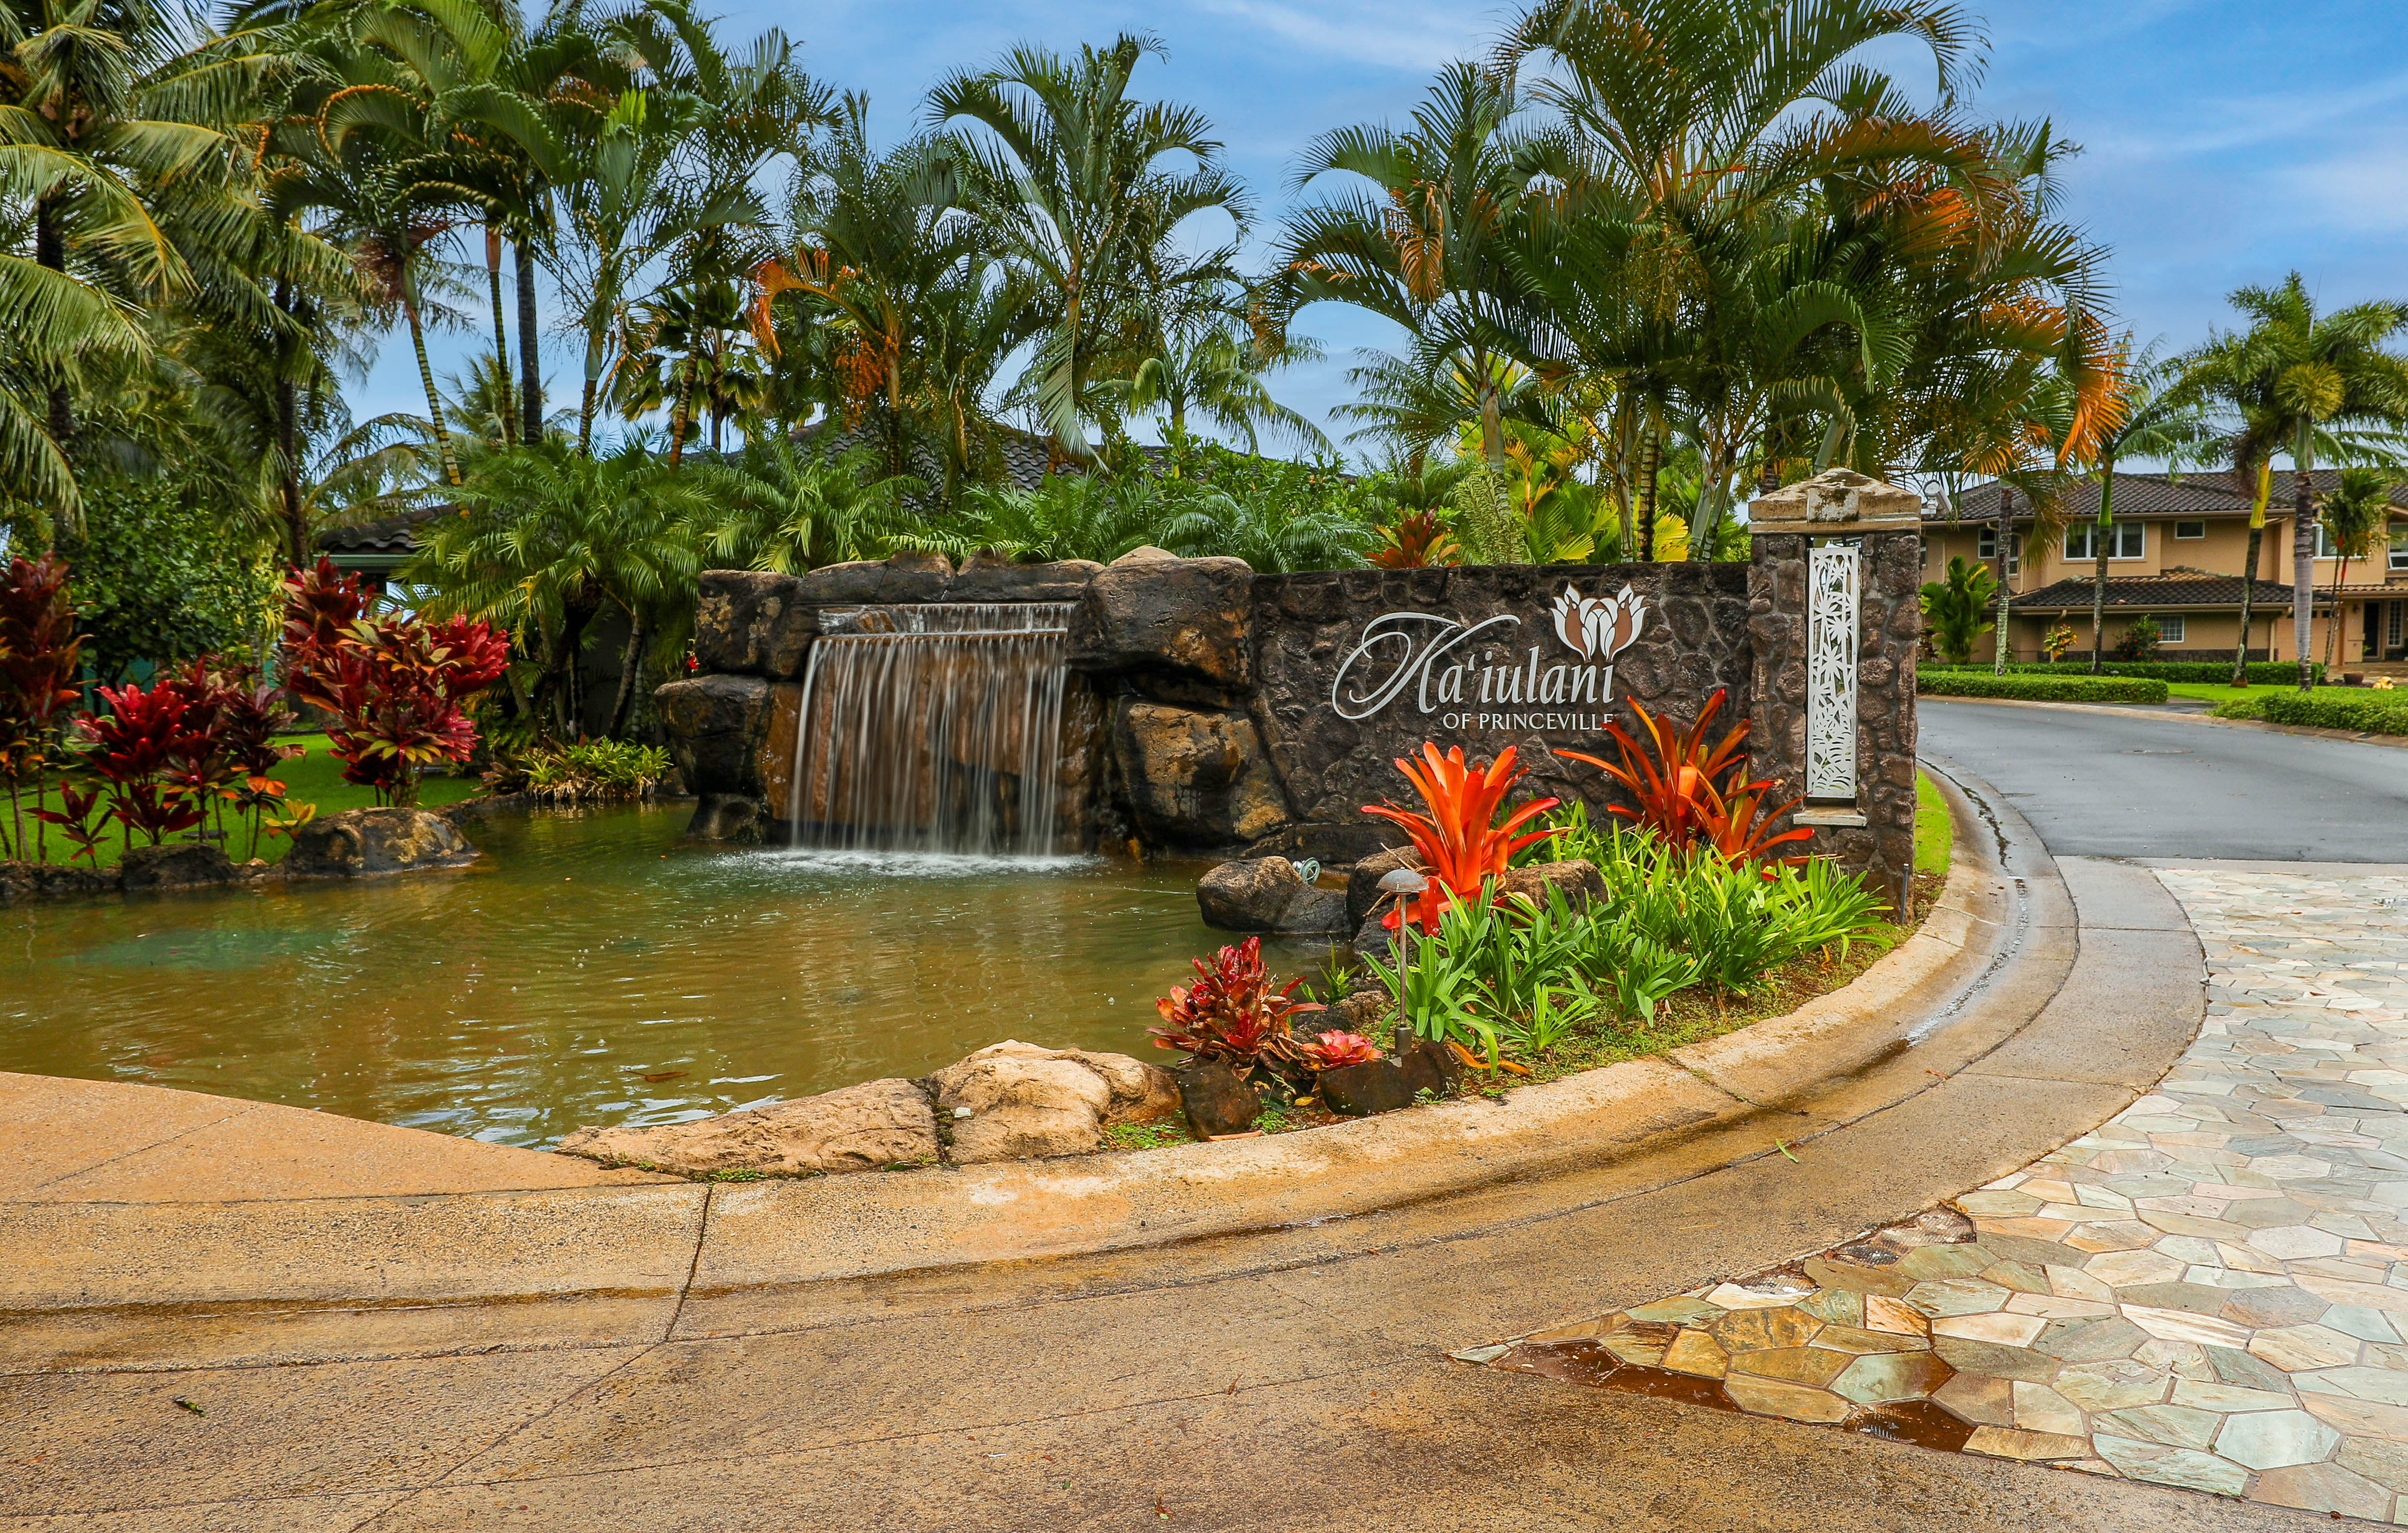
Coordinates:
<point>932,728</point>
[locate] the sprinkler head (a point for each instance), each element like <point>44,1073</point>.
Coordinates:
<point>1402,881</point>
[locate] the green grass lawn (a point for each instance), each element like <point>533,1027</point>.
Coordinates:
<point>2215,692</point>
<point>1933,834</point>
<point>315,777</point>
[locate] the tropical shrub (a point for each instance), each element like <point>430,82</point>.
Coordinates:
<point>1462,846</point>
<point>1233,1013</point>
<point>395,686</point>
<point>136,749</point>
<point>2059,639</point>
<point>1414,541</point>
<point>1673,781</point>
<point>2367,711</point>
<point>588,770</point>
<point>2042,689</point>
<point>39,661</point>
<point>1956,609</point>
<point>2279,673</point>
<point>2140,640</point>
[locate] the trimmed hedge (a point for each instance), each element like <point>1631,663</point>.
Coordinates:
<point>2276,673</point>
<point>2368,712</point>
<point>2041,689</point>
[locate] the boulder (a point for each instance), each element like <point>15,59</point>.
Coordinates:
<point>358,844</point>
<point>1145,554</point>
<point>182,864</point>
<point>1196,779</point>
<point>858,1128</point>
<point>726,817</point>
<point>1363,882</point>
<point>1364,1012</point>
<point>715,725</point>
<point>1012,1100</point>
<point>985,579</point>
<point>752,623</point>
<point>1183,619</point>
<point>1358,1091</point>
<point>1250,894</point>
<point>1217,1099</point>
<point>58,880</point>
<point>1577,877</point>
<point>905,577</point>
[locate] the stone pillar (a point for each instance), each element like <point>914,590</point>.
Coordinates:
<point>1833,620</point>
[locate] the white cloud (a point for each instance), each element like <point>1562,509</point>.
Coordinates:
<point>2364,190</point>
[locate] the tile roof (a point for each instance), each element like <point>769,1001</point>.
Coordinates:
<point>2150,495</point>
<point>386,534</point>
<point>2159,591</point>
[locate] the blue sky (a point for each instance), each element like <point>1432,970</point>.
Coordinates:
<point>2223,142</point>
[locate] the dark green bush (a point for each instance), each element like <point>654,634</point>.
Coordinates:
<point>2276,673</point>
<point>2368,712</point>
<point>2022,685</point>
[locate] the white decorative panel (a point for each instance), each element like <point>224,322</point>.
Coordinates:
<point>1833,592</point>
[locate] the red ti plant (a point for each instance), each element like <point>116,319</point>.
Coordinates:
<point>38,667</point>
<point>1232,1012</point>
<point>395,685</point>
<point>136,749</point>
<point>242,753</point>
<point>1462,846</point>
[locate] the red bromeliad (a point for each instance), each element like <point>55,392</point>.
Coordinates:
<point>1672,790</point>
<point>1231,1012</point>
<point>1333,1051</point>
<point>1461,848</point>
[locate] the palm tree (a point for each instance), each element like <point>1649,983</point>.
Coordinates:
<point>549,538</point>
<point>2152,416</point>
<point>1426,245</point>
<point>2357,518</point>
<point>787,508</point>
<point>2300,381</point>
<point>1069,181</point>
<point>1203,367</point>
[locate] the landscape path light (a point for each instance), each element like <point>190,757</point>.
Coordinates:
<point>1402,883</point>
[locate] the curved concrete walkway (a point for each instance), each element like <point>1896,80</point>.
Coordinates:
<point>1290,1377</point>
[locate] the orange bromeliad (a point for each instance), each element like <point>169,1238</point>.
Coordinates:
<point>1461,848</point>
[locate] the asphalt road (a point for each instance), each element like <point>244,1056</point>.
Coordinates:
<point>2148,784</point>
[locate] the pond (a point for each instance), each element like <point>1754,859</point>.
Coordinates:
<point>595,969</point>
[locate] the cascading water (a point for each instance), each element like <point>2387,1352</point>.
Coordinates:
<point>933,728</point>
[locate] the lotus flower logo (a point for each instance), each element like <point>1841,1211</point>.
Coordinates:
<point>1597,628</point>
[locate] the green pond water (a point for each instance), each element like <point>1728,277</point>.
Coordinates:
<point>536,993</point>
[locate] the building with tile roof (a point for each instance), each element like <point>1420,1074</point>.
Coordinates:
<point>2176,555</point>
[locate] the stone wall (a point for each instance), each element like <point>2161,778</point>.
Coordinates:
<point>1221,710</point>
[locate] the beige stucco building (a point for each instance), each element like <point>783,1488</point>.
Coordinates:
<point>2176,555</point>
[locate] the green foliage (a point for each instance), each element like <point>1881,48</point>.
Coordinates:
<point>155,581</point>
<point>2023,686</point>
<point>1491,531</point>
<point>2140,640</point>
<point>589,771</point>
<point>1956,609</point>
<point>2266,673</point>
<point>2367,711</point>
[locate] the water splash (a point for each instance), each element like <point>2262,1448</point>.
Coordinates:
<point>933,728</point>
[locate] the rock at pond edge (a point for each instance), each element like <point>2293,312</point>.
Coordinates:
<point>1013,1100</point>
<point>866,1127</point>
<point>363,842</point>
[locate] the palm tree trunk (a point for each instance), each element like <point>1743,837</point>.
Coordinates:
<point>530,368</point>
<point>2303,555</point>
<point>51,251</point>
<point>1492,420</point>
<point>2332,617</point>
<point>2006,543</point>
<point>629,663</point>
<point>503,411</point>
<point>1651,460</point>
<point>434,400</point>
<point>680,413</point>
<point>2098,534</point>
<point>2249,573</point>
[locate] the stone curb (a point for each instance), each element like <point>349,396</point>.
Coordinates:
<point>2127,711</point>
<point>460,1246</point>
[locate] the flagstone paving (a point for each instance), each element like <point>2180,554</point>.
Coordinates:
<point>2210,1291</point>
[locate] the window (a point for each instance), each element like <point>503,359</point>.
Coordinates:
<point>2170,630</point>
<point>2399,550</point>
<point>2125,540</point>
<point>2392,623</point>
<point>2188,530</point>
<point>1989,549</point>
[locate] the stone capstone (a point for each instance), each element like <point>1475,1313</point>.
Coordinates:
<point>905,577</point>
<point>1181,620</point>
<point>1196,779</point>
<point>755,623</point>
<point>866,1127</point>
<point>715,727</point>
<point>985,579</point>
<point>179,865</point>
<point>1267,894</point>
<point>361,843</point>
<point>1013,1100</point>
